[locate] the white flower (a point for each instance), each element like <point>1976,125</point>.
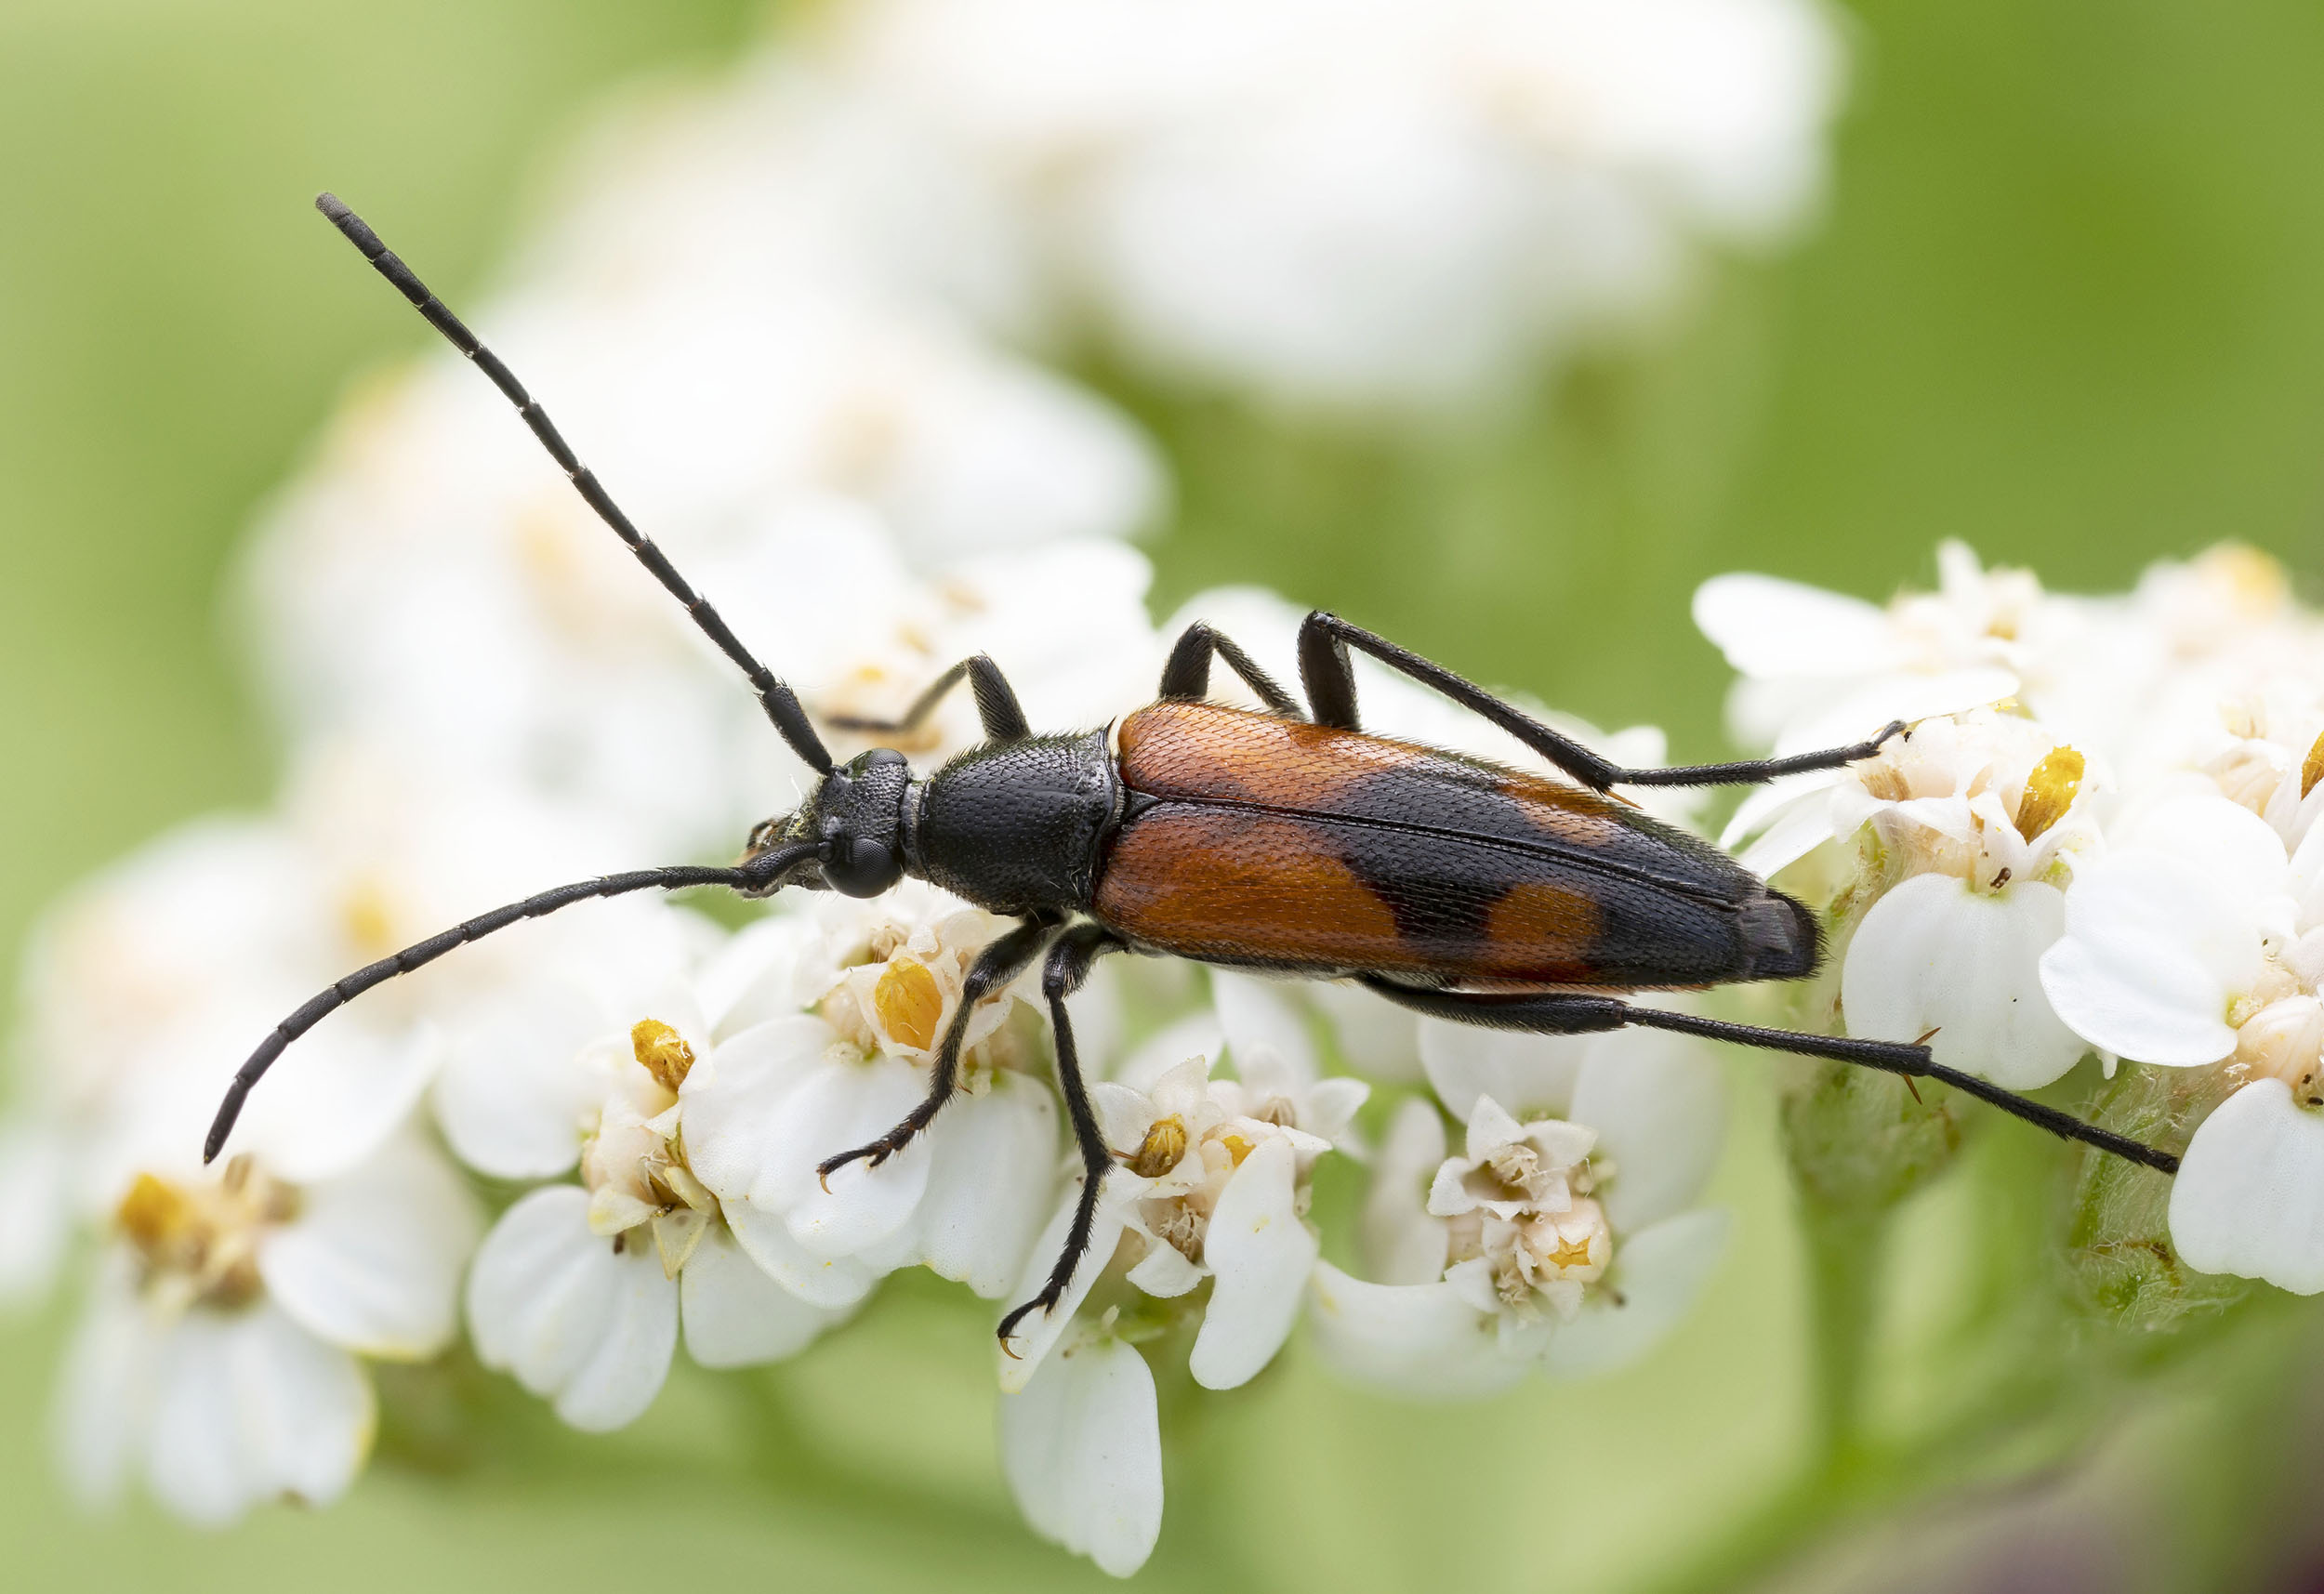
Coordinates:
<point>2198,942</point>
<point>699,1201</point>
<point>1558,1241</point>
<point>1979,818</point>
<point>1384,203</point>
<point>150,985</point>
<point>1204,1191</point>
<point>783,1096</point>
<point>37,1192</point>
<point>590,1322</point>
<point>1081,1446</point>
<point>1210,1184</point>
<point>219,1354</point>
<point>434,580</point>
<point>2178,935</point>
<point>2247,1198</point>
<point>2135,681</point>
<point>1821,665</point>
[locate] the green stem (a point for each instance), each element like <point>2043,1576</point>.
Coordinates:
<point>1845,1248</point>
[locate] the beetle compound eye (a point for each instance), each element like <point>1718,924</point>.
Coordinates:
<point>862,868</point>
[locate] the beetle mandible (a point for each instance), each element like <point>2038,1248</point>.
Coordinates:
<point>1286,840</point>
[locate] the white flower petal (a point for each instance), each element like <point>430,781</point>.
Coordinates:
<point>1870,706</point>
<point>1771,804</point>
<point>1530,1076</point>
<point>991,1178</point>
<point>1260,1252</point>
<point>829,1282</point>
<point>1935,954</point>
<point>35,1189</point>
<point>1768,626</point>
<point>835,1110</point>
<point>1794,834</point>
<point>1123,1115</point>
<point>1402,1243</point>
<point>2152,952</point>
<point>1331,1110</point>
<point>1658,1276</point>
<point>1081,1446</point>
<point>1164,1271</point>
<point>2249,1198</point>
<point>2228,843</point>
<point>372,1262</point>
<point>576,1323</point>
<point>1423,1342</point>
<point>1658,1102</point>
<point>749,982</point>
<point>351,1088</point>
<point>1377,1038</point>
<point>1198,1034</point>
<point>520,1081</point>
<point>1491,1128</point>
<point>249,1407</point>
<point>105,1393</point>
<point>735,1315</point>
<point>1266,1037</point>
<point>1023,1355</point>
<point>732,1097</point>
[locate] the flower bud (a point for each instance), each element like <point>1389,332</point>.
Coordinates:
<point>2283,1041</point>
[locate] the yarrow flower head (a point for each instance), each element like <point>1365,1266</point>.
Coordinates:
<point>1562,1237</point>
<point>2120,855</point>
<point>786,321</point>
<point>1380,205</point>
<point>1966,830</point>
<point>219,1355</point>
<point>1210,1188</point>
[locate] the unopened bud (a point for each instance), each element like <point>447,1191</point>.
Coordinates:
<point>2283,1041</point>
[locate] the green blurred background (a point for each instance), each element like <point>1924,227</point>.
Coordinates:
<point>2068,303</point>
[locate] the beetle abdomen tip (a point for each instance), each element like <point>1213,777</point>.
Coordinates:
<point>1780,938</point>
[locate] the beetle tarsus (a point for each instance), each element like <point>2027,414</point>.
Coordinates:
<point>995,966</point>
<point>1068,966</point>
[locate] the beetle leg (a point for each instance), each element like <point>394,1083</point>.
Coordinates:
<point>1329,681</point>
<point>1187,674</point>
<point>995,705</point>
<point>1559,1014</point>
<point>994,968</point>
<point>1068,966</point>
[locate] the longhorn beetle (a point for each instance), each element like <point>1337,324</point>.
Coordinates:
<point>1287,841</point>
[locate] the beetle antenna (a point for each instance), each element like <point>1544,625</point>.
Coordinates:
<point>762,873</point>
<point>781,703</point>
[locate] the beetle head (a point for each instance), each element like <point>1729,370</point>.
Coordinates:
<point>856,818</point>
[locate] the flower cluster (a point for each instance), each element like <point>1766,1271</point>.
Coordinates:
<point>1384,203</point>
<point>2099,836</point>
<point>790,323</point>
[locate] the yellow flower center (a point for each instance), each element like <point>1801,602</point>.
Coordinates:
<point>2050,791</point>
<point>662,1052</point>
<point>910,1003</point>
<point>368,916</point>
<point>2312,766</point>
<point>200,1243</point>
<point>1160,1150</point>
<point>2252,581</point>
